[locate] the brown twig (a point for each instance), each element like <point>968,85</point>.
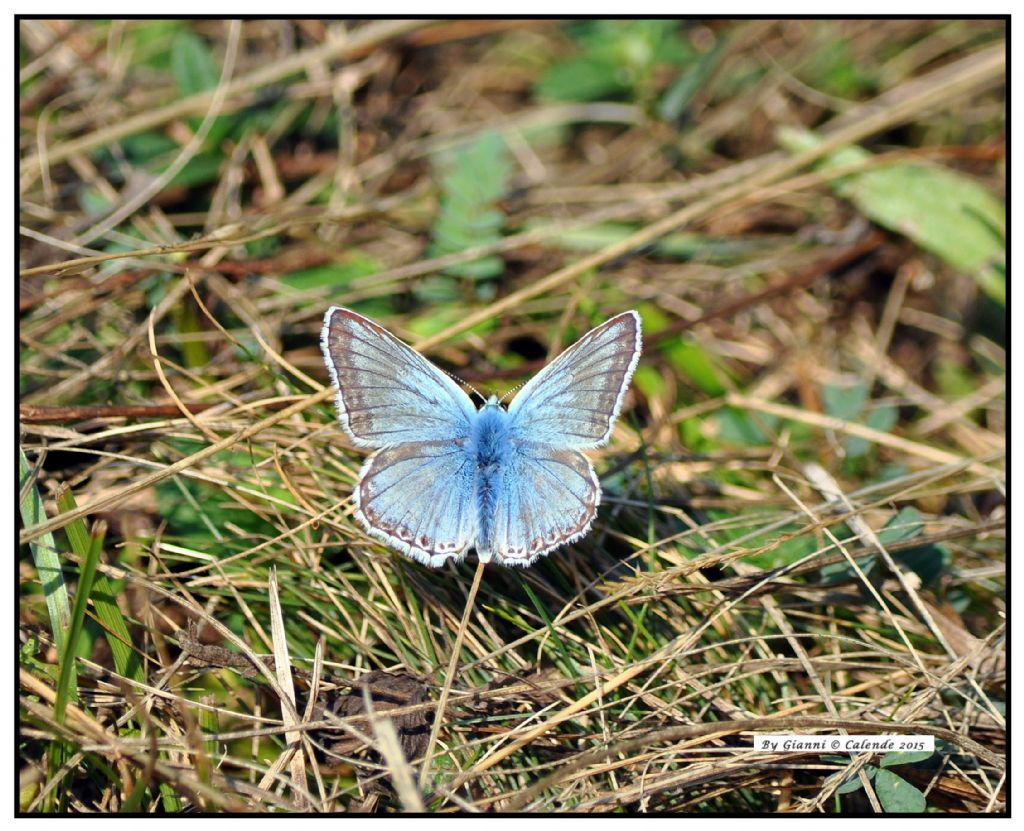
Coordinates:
<point>36,414</point>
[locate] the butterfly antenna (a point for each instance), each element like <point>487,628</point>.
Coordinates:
<point>514,389</point>
<point>463,383</point>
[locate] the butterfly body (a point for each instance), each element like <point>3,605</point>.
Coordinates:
<point>447,476</point>
<point>492,452</point>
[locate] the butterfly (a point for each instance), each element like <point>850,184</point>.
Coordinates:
<point>446,476</point>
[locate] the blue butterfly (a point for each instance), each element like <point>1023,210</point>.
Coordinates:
<point>446,476</point>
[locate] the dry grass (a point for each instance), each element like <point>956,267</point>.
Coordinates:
<point>758,561</point>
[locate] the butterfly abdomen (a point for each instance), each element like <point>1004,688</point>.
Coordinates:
<point>491,451</point>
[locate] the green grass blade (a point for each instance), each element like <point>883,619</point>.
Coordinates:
<point>172,802</point>
<point>67,680</point>
<point>568,662</point>
<point>46,559</point>
<point>132,804</point>
<point>86,575</point>
<point>115,628</point>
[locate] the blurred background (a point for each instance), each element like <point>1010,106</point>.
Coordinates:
<point>803,512</point>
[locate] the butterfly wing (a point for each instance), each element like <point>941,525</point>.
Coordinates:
<point>417,497</point>
<point>574,401</point>
<point>548,498</point>
<point>415,493</point>
<point>387,392</point>
<point>550,493</point>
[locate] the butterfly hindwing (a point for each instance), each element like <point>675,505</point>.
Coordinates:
<point>574,401</point>
<point>548,498</point>
<point>418,498</point>
<point>387,392</point>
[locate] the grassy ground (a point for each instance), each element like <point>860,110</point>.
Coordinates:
<point>802,528</point>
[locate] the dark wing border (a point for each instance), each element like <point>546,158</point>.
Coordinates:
<point>459,397</point>
<point>536,383</point>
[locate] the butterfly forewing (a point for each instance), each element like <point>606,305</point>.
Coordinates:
<point>418,498</point>
<point>574,401</point>
<point>387,392</point>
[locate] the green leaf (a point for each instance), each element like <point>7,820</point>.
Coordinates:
<point>993,281</point>
<point>473,180</point>
<point>843,570</point>
<point>150,42</point>
<point>691,432</point>
<point>781,552</point>
<point>835,68</point>
<point>438,289</point>
<point>905,525</point>
<point>334,275</point>
<point>848,402</point>
<point>953,379</point>
<point>882,419</point>
<point>854,783</point>
<point>589,78</point>
<point>904,757</point>
<point>741,428</point>
<point>941,210</point>
<point>617,59</point>
<point>897,795</point>
<point>844,401</point>
<point>45,557</point>
<point>93,202</point>
<point>437,320</point>
<point>27,658</point>
<point>192,65</point>
<point>680,246</point>
<point>144,147</point>
<point>194,70</point>
<point>681,91</point>
<point>654,318</point>
<point>649,381</point>
<point>929,562</point>
<point>201,169</point>
<point>695,364</point>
